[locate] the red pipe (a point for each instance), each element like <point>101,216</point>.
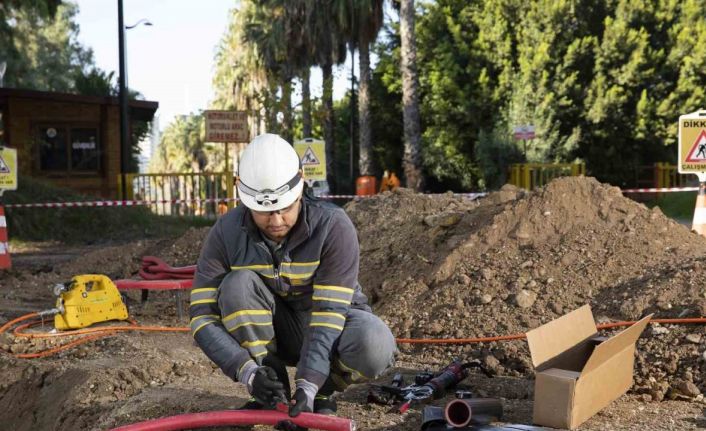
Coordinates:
<point>240,417</point>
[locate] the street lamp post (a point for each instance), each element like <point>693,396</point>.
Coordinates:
<point>124,113</point>
<point>123,98</point>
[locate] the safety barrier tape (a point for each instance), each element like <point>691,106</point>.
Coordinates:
<point>132,203</point>
<point>661,190</point>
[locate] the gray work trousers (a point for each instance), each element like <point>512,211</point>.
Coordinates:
<point>266,324</point>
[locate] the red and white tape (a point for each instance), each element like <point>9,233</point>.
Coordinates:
<point>662,190</point>
<point>134,203</point>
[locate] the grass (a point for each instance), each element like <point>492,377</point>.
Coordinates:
<point>679,206</point>
<point>83,224</point>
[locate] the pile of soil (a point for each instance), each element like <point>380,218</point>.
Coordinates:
<point>436,266</point>
<point>515,260</point>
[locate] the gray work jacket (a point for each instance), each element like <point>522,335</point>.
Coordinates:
<point>320,261</point>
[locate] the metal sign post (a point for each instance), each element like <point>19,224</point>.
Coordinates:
<point>524,133</point>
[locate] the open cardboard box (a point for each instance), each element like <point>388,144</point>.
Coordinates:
<point>578,372</point>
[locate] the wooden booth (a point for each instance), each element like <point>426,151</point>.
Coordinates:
<point>70,140</point>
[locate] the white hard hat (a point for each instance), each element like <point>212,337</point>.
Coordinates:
<point>269,174</point>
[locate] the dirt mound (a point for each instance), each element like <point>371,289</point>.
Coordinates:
<point>514,260</point>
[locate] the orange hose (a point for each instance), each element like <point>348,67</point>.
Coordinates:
<point>19,319</point>
<point>521,336</point>
<point>49,352</point>
<point>134,327</point>
<point>112,330</point>
<point>97,334</point>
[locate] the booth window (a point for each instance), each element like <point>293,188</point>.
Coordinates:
<point>68,149</point>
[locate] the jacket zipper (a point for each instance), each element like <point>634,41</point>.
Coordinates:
<point>276,269</point>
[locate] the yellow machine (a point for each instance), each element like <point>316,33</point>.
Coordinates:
<point>87,299</point>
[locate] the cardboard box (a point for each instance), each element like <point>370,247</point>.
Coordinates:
<point>577,372</point>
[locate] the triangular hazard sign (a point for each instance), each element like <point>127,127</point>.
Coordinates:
<point>698,150</point>
<point>309,158</point>
<point>4,169</point>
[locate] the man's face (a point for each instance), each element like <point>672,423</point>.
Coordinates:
<point>277,224</point>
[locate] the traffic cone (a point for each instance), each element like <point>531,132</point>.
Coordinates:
<point>699,224</point>
<point>4,248</point>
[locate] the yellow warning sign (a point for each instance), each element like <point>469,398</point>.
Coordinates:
<point>692,143</point>
<point>312,153</point>
<point>8,169</point>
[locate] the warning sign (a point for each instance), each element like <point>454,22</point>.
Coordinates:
<point>698,150</point>
<point>312,153</point>
<point>227,126</point>
<point>692,144</point>
<point>309,158</point>
<point>8,169</point>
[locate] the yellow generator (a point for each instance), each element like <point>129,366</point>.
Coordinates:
<point>87,299</point>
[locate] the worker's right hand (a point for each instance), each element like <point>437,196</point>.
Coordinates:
<point>266,389</point>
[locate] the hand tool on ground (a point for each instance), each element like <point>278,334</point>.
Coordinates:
<point>433,388</point>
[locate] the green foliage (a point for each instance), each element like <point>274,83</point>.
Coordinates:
<point>182,148</point>
<point>82,224</point>
<point>601,81</point>
<point>39,42</point>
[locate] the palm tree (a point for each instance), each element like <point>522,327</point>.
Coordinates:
<point>361,23</point>
<point>240,82</point>
<point>329,48</point>
<point>412,159</point>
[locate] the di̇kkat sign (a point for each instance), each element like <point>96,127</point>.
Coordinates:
<point>692,144</point>
<point>8,169</point>
<point>227,126</point>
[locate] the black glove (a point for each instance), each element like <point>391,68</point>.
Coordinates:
<point>266,389</point>
<point>300,403</point>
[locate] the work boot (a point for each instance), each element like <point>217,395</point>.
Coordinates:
<point>325,404</point>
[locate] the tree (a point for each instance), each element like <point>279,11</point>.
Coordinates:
<point>39,43</point>
<point>410,99</point>
<point>361,22</point>
<point>182,148</point>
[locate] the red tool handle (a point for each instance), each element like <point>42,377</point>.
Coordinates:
<point>447,378</point>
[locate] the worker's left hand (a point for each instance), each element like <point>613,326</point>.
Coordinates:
<point>300,403</point>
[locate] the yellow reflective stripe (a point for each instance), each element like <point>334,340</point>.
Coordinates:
<point>296,276</point>
<point>250,324</point>
<point>334,288</point>
<point>203,301</point>
<point>328,325</point>
<point>243,366</point>
<point>203,289</point>
<point>193,333</point>
<point>214,316</point>
<point>302,263</point>
<point>329,314</point>
<point>252,267</point>
<point>246,312</point>
<point>255,343</point>
<point>321,298</point>
<point>351,370</point>
<point>257,355</point>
